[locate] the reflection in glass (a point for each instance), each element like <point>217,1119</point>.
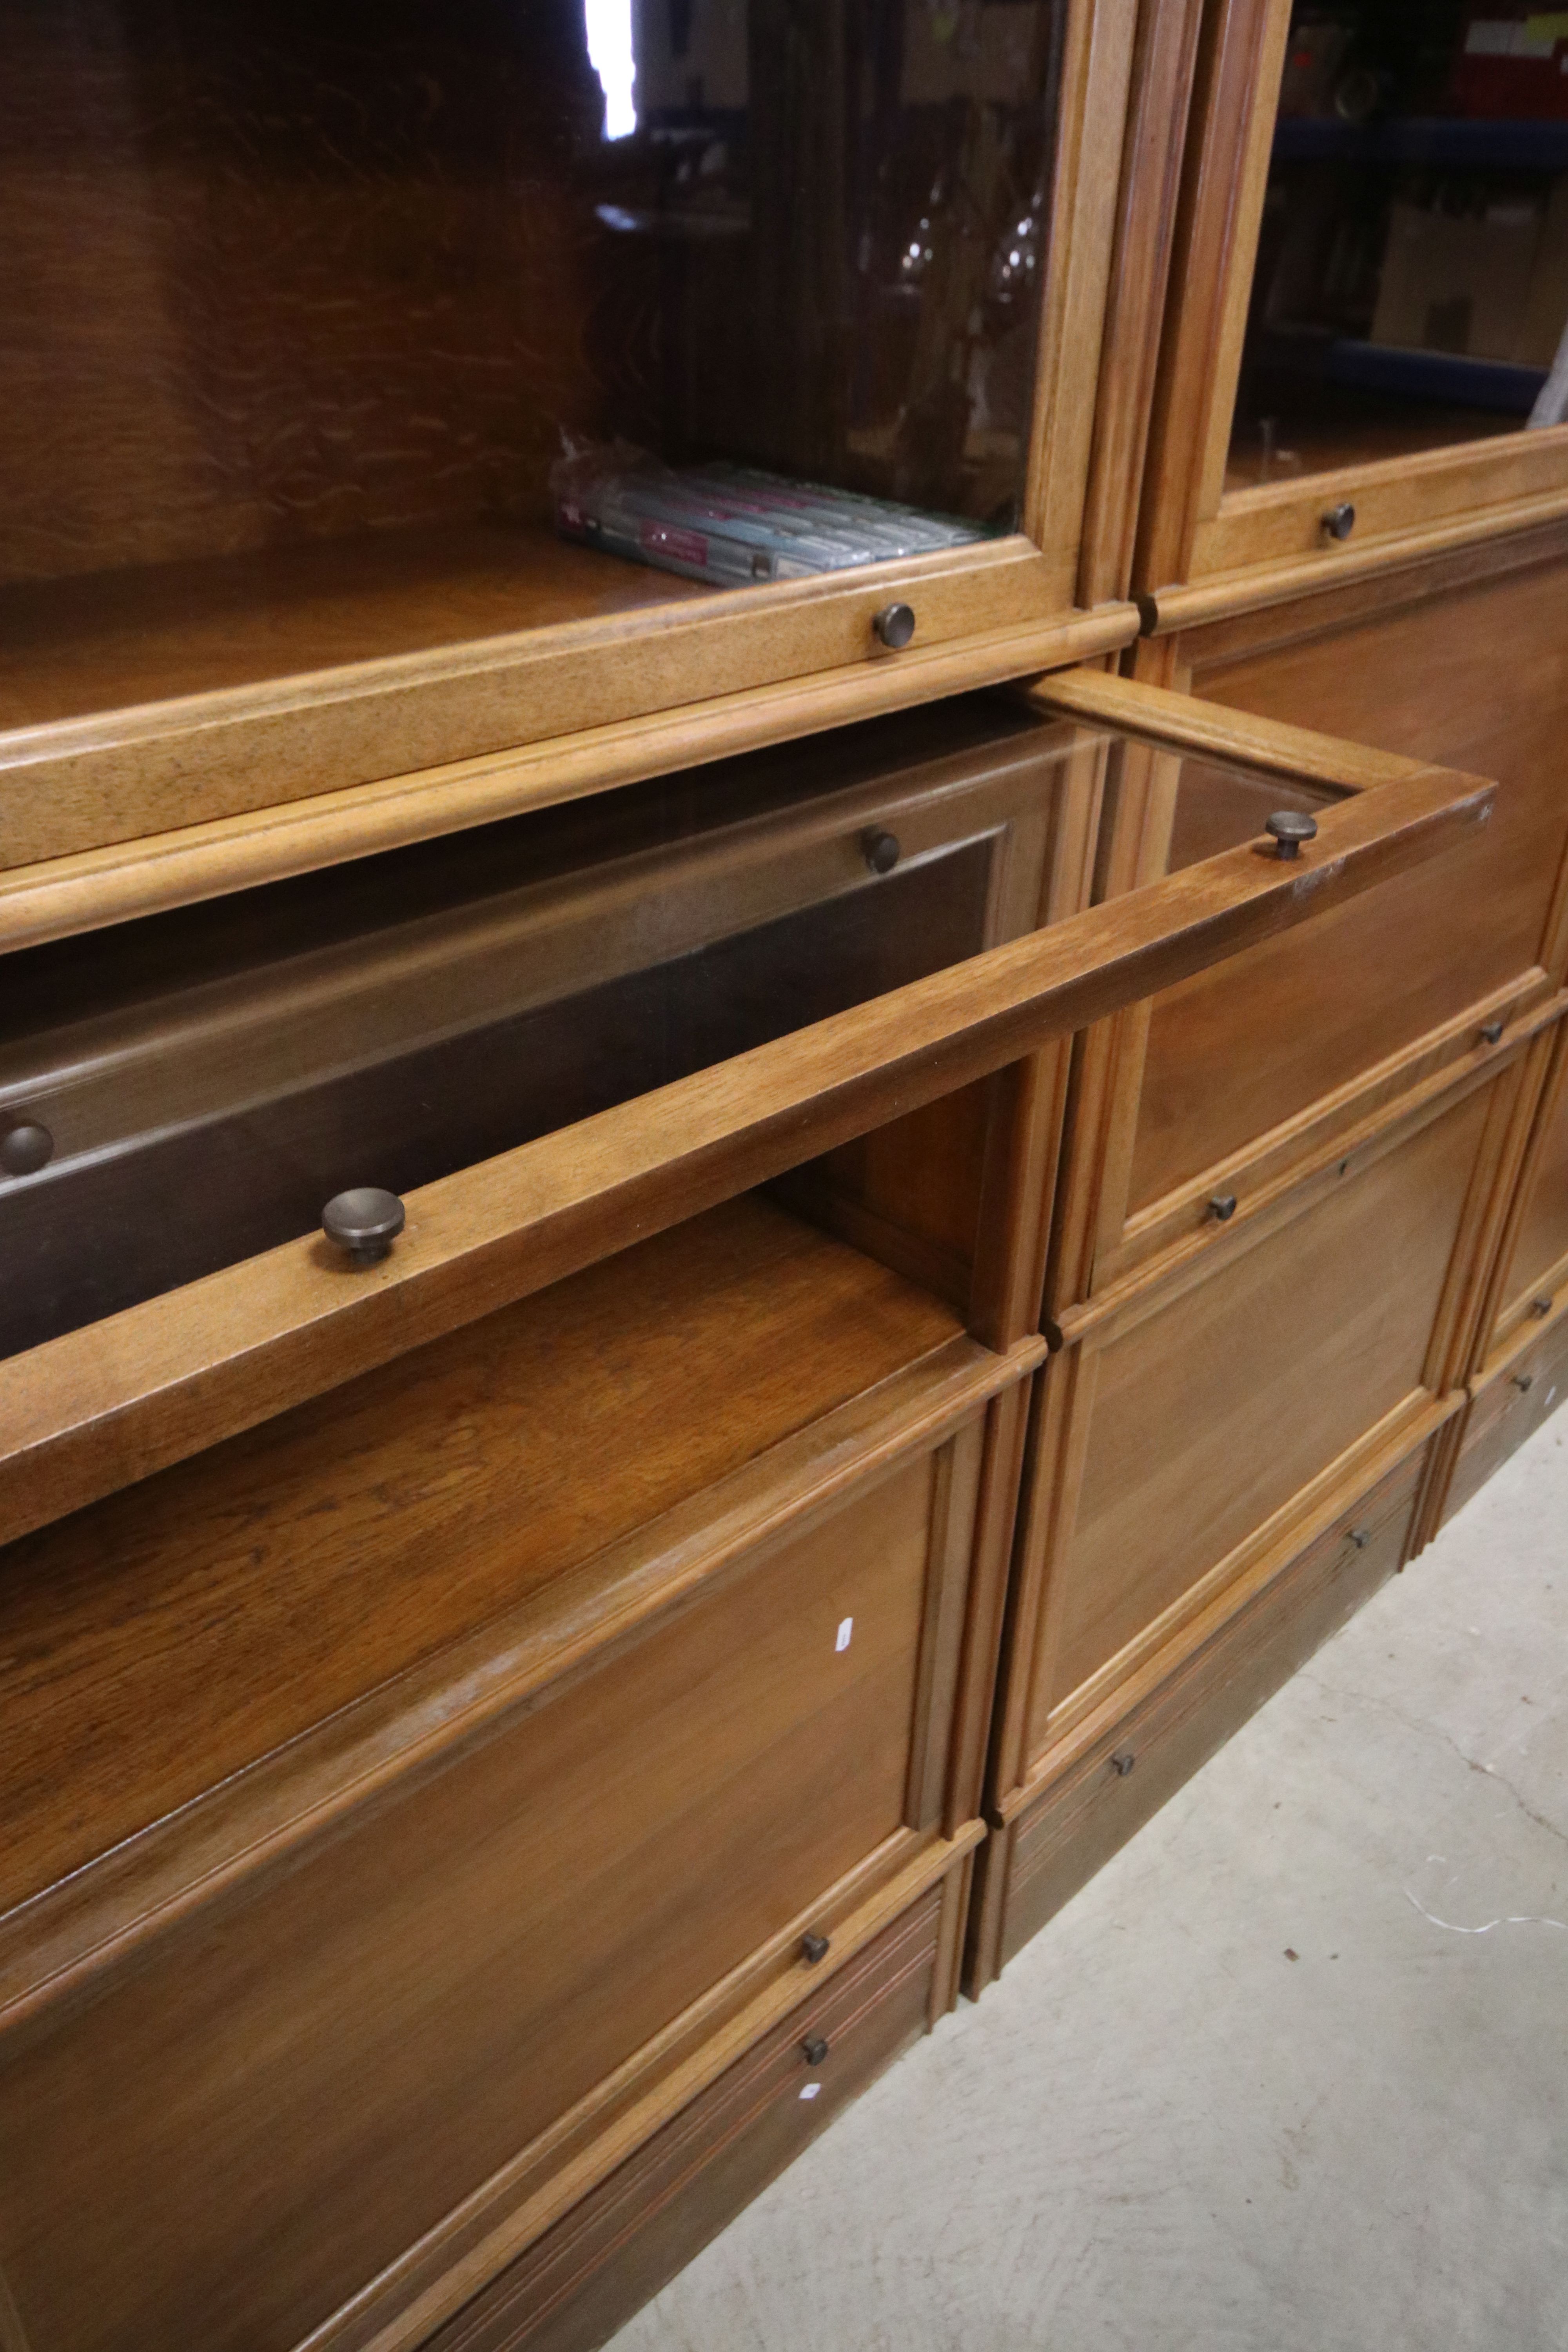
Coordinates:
<point>1412,279</point>
<point>325,290</point>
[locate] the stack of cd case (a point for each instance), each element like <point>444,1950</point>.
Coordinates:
<point>734,526</point>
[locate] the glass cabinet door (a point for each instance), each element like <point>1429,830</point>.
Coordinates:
<point>1411,290</point>
<point>331,332</point>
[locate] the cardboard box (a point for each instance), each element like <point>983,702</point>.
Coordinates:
<point>1458,283</point>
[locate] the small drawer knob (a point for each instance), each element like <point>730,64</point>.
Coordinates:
<point>1523,1382</point>
<point>882,851</point>
<point>1222,1208</point>
<point>1540,1306</point>
<point>813,1948</point>
<point>25,1149</point>
<point>1340,520</point>
<point>1360,1537</point>
<point>1290,828</point>
<point>1491,1031</point>
<point>1122,1763</point>
<point>365,1221</point>
<point>895,625</point>
<point>814,2050</point>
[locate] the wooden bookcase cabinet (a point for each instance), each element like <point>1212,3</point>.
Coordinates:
<point>1206,549</point>
<point>350,1605</point>
<point>307,682</point>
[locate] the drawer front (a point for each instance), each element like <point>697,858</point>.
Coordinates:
<point>238,2133</point>
<point>1539,1266</point>
<point>1509,1407</point>
<point>1211,1415</point>
<point>1095,1804</point>
<point>586,2276</point>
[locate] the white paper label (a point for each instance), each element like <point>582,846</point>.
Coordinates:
<point>846,1629</point>
<point>810,2090</point>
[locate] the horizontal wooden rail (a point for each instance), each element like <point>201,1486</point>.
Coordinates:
<point>1207,731</point>
<point>104,1406</point>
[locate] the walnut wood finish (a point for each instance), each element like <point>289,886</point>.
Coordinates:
<point>1526,1380</point>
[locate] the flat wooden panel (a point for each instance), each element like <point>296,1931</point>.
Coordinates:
<point>238,2135</point>
<point>1090,1808</point>
<point>1541,1247</point>
<point>1212,1413</point>
<point>176,1632</point>
<point>1528,1384</point>
<point>588,2275</point>
<point>1233,1055</point>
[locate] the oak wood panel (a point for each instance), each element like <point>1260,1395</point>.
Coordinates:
<point>51,889</point>
<point>94,1410</point>
<point>590,2273</point>
<point>174,1633</point>
<point>1538,1261</point>
<point>1079,1808</point>
<point>1206,1418</point>
<point>1526,1381</point>
<point>344,2056</point>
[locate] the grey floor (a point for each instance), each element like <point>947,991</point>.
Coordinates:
<point>1291,2075</point>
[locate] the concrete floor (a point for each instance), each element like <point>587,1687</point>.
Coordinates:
<point>1289,2075</point>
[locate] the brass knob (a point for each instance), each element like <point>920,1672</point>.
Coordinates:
<point>882,850</point>
<point>814,2050</point>
<point>1122,1763</point>
<point>895,625</point>
<point>1340,521</point>
<point>365,1222</point>
<point>1290,828</point>
<point>813,1948</point>
<point>25,1149</point>
<point>1222,1208</point>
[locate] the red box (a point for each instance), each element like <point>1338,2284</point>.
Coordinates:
<point>1512,64</point>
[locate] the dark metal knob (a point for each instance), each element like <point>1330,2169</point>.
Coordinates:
<point>1340,521</point>
<point>895,625</point>
<point>882,851</point>
<point>1491,1031</point>
<point>813,1948</point>
<point>1290,828</point>
<point>1538,1307</point>
<point>1122,1763</point>
<point>1222,1208</point>
<point>1360,1537</point>
<point>25,1149</point>
<point>365,1222</point>
<point>814,2050</point>
<point>1523,1380</point>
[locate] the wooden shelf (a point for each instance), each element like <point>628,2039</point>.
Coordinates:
<point>168,1638</point>
<point>107,640</point>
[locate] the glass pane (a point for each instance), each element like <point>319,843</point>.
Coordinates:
<point>1412,281</point>
<point>341,328</point>
<point>184,1091</point>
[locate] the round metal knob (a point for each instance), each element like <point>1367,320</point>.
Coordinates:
<point>1491,1031</point>
<point>814,2050</point>
<point>813,1948</point>
<point>25,1149</point>
<point>1222,1208</point>
<point>895,625</point>
<point>882,851</point>
<point>1290,828</point>
<point>1524,1382</point>
<point>365,1222</point>
<point>1538,1307</point>
<point>1122,1763</point>
<point>1361,1538</point>
<point>1340,521</point>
